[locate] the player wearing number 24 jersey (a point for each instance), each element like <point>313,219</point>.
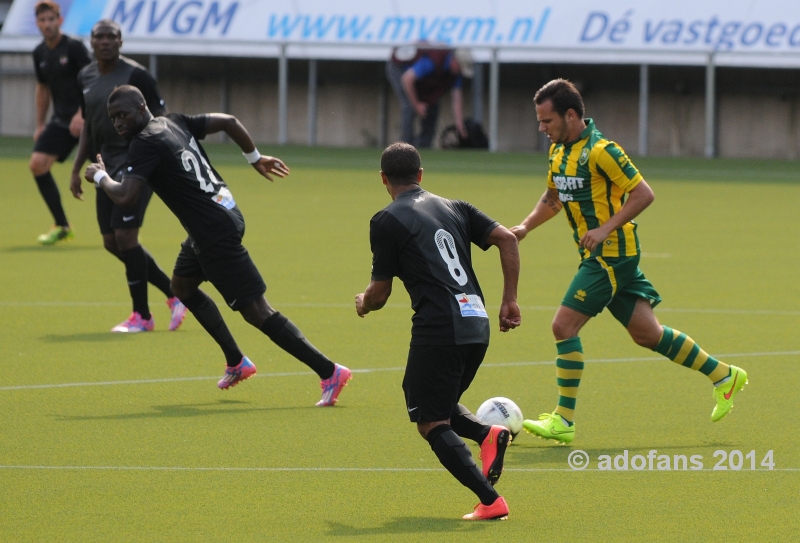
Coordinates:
<point>165,154</point>
<point>425,241</point>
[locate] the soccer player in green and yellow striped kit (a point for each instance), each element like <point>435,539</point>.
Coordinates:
<point>601,192</point>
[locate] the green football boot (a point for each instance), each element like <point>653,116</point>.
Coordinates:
<point>56,234</point>
<point>550,426</point>
<point>724,393</point>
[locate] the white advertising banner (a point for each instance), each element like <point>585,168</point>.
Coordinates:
<point>745,32</point>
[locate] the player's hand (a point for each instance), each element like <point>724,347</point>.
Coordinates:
<point>422,109</point>
<point>267,165</point>
<point>38,132</point>
<point>510,316</point>
<point>593,238</point>
<point>360,305</point>
<point>76,126</point>
<point>92,169</point>
<point>520,231</point>
<point>75,185</point>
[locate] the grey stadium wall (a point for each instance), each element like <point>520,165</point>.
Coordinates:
<point>758,109</point>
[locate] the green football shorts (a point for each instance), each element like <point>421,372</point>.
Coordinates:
<point>615,283</point>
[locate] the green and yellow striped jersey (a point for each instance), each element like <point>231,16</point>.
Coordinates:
<point>592,176</point>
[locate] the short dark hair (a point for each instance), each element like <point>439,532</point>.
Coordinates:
<point>400,163</point>
<point>564,96</point>
<point>47,5</point>
<point>128,95</point>
<point>108,22</point>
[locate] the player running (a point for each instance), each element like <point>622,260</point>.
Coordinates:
<point>165,155</point>
<point>425,241</point>
<point>590,178</point>
<point>119,226</point>
<point>57,61</point>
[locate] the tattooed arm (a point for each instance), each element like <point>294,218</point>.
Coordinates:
<point>546,208</point>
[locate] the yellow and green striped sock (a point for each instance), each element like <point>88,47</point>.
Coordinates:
<point>569,369</point>
<point>682,350</point>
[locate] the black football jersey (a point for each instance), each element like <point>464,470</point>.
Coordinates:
<point>96,88</point>
<point>167,155</point>
<point>58,69</point>
<point>425,241</point>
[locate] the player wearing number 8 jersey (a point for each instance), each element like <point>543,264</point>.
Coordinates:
<point>601,192</point>
<point>425,241</point>
<point>165,154</point>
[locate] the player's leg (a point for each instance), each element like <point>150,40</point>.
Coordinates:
<point>591,289</point>
<point>132,256</point>
<point>646,331</point>
<point>139,265</point>
<point>493,439</point>
<point>155,275</point>
<point>286,335</point>
<point>560,424</point>
<point>431,386</point>
<point>54,144</point>
<point>228,266</point>
<point>187,276</point>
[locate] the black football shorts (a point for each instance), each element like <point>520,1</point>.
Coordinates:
<point>436,377</point>
<point>55,140</point>
<point>112,217</point>
<point>226,265</point>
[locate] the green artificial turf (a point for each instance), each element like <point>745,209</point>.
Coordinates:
<point>109,437</point>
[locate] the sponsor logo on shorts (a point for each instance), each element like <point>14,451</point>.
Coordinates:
<point>129,218</point>
<point>580,295</point>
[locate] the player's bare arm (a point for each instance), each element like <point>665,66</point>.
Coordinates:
<point>265,165</point>
<point>546,208</point>
<point>124,194</point>
<point>507,244</point>
<point>638,199</point>
<point>374,298</point>
<point>80,158</point>
<point>76,124</point>
<point>42,100</point>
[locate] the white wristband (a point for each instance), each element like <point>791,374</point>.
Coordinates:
<point>98,176</point>
<point>253,156</point>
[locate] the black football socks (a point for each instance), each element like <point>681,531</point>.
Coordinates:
<point>288,337</point>
<point>207,314</point>
<point>455,456</point>
<point>136,272</point>
<point>49,191</point>
<point>156,275</point>
<point>467,425</point>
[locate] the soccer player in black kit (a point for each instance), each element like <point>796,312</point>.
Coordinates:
<point>424,240</point>
<point>165,155</point>
<point>119,225</point>
<point>56,61</point>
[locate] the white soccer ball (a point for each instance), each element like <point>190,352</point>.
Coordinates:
<point>503,412</point>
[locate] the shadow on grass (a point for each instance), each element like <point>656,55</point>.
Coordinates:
<point>220,407</point>
<point>94,337</point>
<point>43,249</point>
<point>407,525</point>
